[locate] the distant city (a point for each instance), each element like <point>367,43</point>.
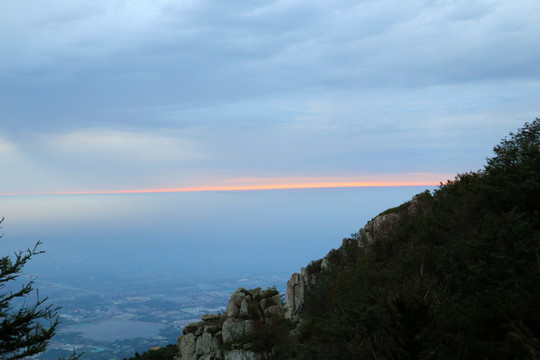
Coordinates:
<point>116,317</point>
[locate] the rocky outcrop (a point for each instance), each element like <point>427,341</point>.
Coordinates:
<point>236,330</point>
<point>296,289</point>
<point>380,227</point>
<point>376,229</point>
<point>200,340</point>
<point>229,336</point>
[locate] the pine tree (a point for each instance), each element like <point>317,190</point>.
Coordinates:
<point>26,326</point>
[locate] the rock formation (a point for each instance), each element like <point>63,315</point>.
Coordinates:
<point>375,229</point>
<point>231,336</point>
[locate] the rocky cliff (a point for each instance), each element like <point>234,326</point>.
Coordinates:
<point>239,334</point>
<point>251,314</point>
<point>451,274</point>
<point>374,230</point>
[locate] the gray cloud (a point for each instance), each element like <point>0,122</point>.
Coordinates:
<point>267,87</point>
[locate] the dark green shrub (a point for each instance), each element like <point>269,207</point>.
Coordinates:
<point>456,279</point>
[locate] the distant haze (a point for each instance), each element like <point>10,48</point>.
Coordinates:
<point>198,235</point>
<point>107,105</point>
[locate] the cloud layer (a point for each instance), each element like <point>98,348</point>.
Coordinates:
<point>105,94</point>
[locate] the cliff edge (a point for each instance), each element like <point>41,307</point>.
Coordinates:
<point>451,274</point>
<point>254,316</point>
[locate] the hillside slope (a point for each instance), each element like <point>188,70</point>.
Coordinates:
<point>453,274</point>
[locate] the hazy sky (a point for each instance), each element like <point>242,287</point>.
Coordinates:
<point>100,96</point>
<point>116,95</point>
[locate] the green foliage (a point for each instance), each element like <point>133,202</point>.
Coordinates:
<point>269,292</point>
<point>271,335</point>
<point>254,309</point>
<point>458,278</point>
<point>25,329</point>
<point>396,209</point>
<point>314,267</point>
<point>164,353</point>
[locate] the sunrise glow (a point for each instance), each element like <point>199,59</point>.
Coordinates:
<point>253,184</point>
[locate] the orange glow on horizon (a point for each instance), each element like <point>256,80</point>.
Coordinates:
<point>277,184</point>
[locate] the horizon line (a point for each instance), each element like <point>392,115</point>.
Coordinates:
<point>290,186</point>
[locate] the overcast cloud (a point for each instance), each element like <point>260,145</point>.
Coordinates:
<point>115,94</point>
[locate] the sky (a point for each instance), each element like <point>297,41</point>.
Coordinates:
<point>107,98</point>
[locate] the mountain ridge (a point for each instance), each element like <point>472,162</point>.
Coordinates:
<point>451,274</point>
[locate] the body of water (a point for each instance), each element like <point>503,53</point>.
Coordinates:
<point>112,330</point>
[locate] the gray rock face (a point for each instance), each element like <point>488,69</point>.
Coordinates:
<point>207,347</point>
<point>244,309</point>
<point>235,329</point>
<point>264,304</point>
<point>294,298</point>
<point>273,311</point>
<point>191,328</point>
<point>220,337</point>
<point>324,263</point>
<point>381,226</point>
<point>233,307</point>
<point>377,228</point>
<point>188,346</point>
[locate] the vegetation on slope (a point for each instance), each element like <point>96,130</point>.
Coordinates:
<point>458,279</point>
<point>164,353</point>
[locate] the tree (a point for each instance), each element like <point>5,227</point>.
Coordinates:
<point>516,168</point>
<point>457,278</point>
<point>519,152</point>
<point>25,327</point>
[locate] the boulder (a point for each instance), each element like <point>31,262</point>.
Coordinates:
<point>193,327</point>
<point>207,347</point>
<point>233,307</point>
<point>265,303</point>
<point>188,347</point>
<point>274,311</point>
<point>227,336</point>
<point>235,329</point>
<point>244,309</point>
<point>212,329</point>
